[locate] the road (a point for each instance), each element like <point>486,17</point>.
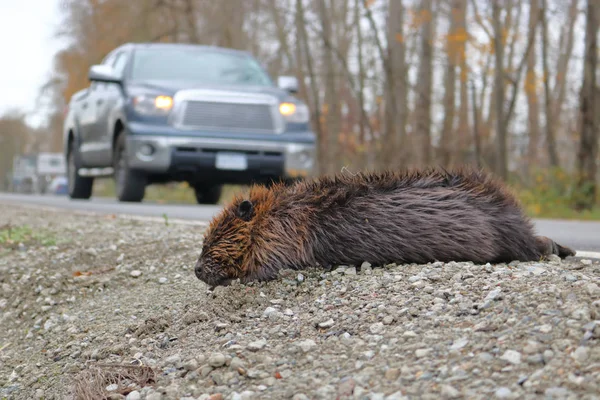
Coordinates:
<point>581,235</point>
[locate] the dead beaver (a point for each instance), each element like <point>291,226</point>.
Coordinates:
<point>415,216</point>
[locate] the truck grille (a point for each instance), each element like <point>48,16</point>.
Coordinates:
<point>228,116</point>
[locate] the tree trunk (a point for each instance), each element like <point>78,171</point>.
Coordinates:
<point>550,120</point>
<point>462,135</point>
<point>395,88</point>
<point>424,89</point>
<point>331,96</point>
<point>533,112</point>
<point>499,89</point>
<point>588,144</point>
<point>447,147</point>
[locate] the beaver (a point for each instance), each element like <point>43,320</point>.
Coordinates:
<point>409,216</point>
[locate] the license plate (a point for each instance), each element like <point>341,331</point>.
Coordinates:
<point>231,161</point>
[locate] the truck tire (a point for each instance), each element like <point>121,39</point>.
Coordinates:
<point>130,184</point>
<point>208,194</point>
<point>80,187</point>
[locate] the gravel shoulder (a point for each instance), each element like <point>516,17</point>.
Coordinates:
<point>91,297</point>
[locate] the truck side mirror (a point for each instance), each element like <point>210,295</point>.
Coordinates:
<point>288,83</point>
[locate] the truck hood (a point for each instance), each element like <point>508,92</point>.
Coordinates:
<point>171,87</point>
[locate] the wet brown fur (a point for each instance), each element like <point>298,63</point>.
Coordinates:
<point>414,216</point>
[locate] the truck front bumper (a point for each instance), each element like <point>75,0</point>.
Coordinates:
<point>222,159</point>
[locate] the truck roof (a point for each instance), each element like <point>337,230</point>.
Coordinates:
<point>136,45</point>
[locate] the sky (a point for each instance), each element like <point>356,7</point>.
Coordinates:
<point>27,47</point>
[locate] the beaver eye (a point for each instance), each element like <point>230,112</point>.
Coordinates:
<point>245,209</point>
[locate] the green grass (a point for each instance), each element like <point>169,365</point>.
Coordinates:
<point>11,236</point>
<point>549,195</point>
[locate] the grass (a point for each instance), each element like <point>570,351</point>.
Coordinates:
<point>549,195</point>
<point>171,193</point>
<point>11,236</point>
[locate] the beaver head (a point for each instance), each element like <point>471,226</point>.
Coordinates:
<point>230,249</point>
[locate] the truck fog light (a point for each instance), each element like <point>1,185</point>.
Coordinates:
<point>146,150</point>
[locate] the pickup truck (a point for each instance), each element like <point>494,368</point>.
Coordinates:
<point>165,112</point>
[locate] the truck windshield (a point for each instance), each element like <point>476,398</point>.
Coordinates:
<point>202,65</point>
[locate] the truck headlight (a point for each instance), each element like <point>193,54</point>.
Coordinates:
<point>152,105</point>
<point>295,113</point>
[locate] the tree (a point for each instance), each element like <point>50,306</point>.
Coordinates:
<point>588,143</point>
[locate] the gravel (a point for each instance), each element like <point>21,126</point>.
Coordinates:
<point>111,291</point>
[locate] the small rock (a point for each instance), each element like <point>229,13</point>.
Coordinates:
<point>350,271</point>
<point>257,345</point>
<point>346,387</point>
<point>449,392</point>
<point>493,295</point>
<point>366,267</point>
<point>459,344</point>
<point>135,395</point>
<point>216,360</point>
<point>486,357</point>
<point>306,345</point>
<point>112,387</point>
<point>288,312</point>
<point>548,355</point>
<point>512,356</point>
<point>420,353</point>
<point>580,354</point>
<point>586,261</point>
<point>546,328</point>
<point>173,360</point>
<point>388,319</point>
<point>162,280</point>
<point>154,396</point>
<point>556,392</point>
<point>503,393</point>
<point>268,311</point>
<point>216,396</point>
<point>409,334</point>
<point>135,273</point>
<point>392,374</point>
<point>190,365</point>
<point>377,328</point>
<point>39,394</point>
<point>300,278</point>
<point>593,289</point>
<point>326,324</point>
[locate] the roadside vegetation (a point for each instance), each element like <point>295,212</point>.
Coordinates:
<point>547,194</point>
<point>15,236</point>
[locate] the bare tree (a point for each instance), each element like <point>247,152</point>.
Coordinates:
<point>425,79</point>
<point>533,112</point>
<point>588,144</point>
<point>550,135</point>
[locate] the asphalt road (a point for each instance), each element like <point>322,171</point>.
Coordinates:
<point>583,236</point>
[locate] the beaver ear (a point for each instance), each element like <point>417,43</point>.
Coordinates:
<point>245,209</point>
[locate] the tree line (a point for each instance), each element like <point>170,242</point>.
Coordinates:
<point>506,85</point>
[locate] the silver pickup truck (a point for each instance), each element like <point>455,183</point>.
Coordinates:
<point>157,113</point>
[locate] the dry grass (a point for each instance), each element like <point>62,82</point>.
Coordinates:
<point>91,383</point>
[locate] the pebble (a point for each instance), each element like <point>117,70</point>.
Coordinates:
<point>366,267</point>
<point>503,393</point>
<point>135,395</point>
<point>586,261</point>
<point>135,273</point>
<point>593,289</point>
<point>306,345</point>
<point>392,374</point>
<point>39,394</point>
<point>350,271</point>
<point>216,360</point>
<point>154,396</point>
<point>377,328</point>
<point>420,353</point>
<point>512,356</point>
<point>162,280</point>
<point>257,345</point>
<point>190,365</point>
<point>449,392</point>
<point>326,324</point>
<point>580,354</point>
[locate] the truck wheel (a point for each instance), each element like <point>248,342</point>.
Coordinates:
<point>208,194</point>
<point>80,187</point>
<point>130,184</point>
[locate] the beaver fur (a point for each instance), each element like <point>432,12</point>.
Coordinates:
<point>413,216</point>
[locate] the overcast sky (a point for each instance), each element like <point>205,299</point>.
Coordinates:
<point>27,47</point>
